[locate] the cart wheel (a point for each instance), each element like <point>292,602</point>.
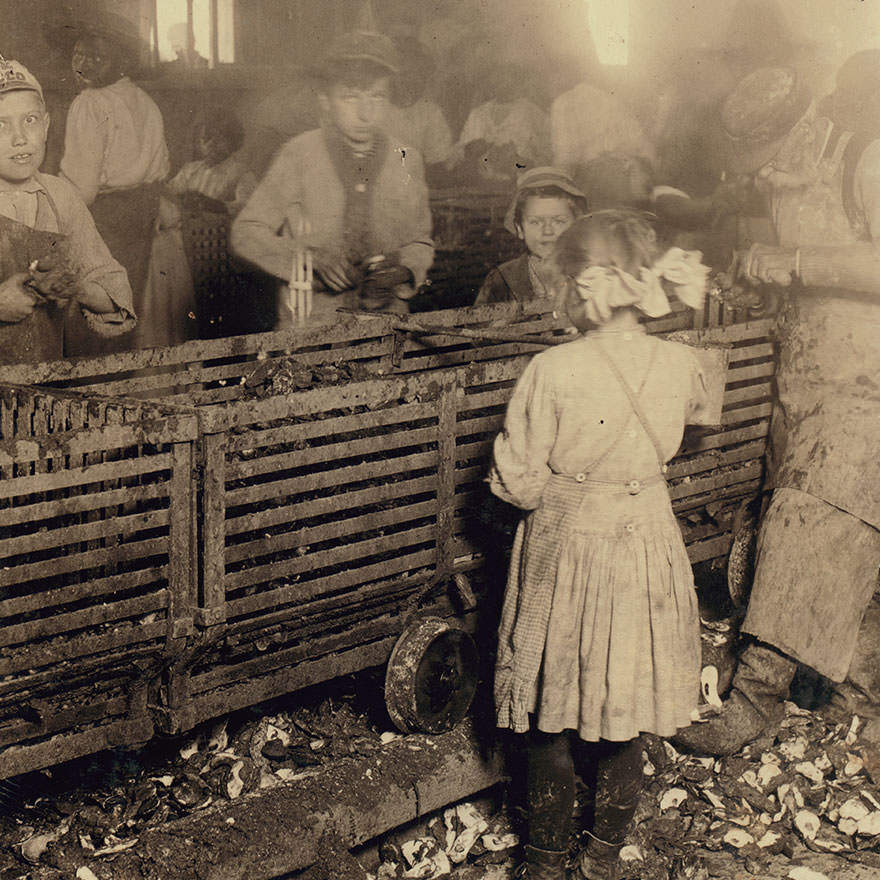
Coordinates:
<point>431,676</point>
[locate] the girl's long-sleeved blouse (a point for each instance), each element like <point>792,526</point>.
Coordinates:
<point>569,415</point>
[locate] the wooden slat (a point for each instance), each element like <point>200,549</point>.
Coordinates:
<point>86,475</point>
<point>309,590</point>
<point>749,471</point>
<point>746,414</point>
<point>254,437</point>
<point>342,500</point>
<point>346,449</point>
<point>338,555</point>
<point>371,470</point>
<point>14,634</point>
<point>729,437</point>
<point>350,526</point>
<point>725,492</point>
<point>83,561</point>
<point>40,600</point>
<point>62,507</point>
<point>112,525</point>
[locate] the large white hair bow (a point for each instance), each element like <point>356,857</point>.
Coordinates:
<point>605,288</point>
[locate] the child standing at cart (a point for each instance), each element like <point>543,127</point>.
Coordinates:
<point>52,259</point>
<point>599,635</point>
<point>346,193</point>
<point>545,204</point>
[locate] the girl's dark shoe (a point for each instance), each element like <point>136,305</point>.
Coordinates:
<point>598,861</point>
<point>542,864</point>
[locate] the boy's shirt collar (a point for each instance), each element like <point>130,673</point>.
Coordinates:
<point>29,186</point>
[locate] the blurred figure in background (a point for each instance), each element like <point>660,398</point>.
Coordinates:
<point>116,156</point>
<point>220,174</point>
<point>586,122</point>
<point>414,118</point>
<point>855,102</point>
<point>504,134</point>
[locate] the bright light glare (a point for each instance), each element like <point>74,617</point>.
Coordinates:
<point>173,12</point>
<point>609,25</point>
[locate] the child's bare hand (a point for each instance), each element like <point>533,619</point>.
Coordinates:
<point>16,302</point>
<point>334,268</point>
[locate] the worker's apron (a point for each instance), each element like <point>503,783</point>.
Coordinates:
<point>38,337</point>
<point>823,440</point>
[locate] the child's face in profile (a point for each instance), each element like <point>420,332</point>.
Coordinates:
<point>24,124</point>
<point>359,112</point>
<point>544,219</point>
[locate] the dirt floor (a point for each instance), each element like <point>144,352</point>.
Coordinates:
<point>228,800</point>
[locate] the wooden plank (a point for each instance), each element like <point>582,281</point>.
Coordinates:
<point>253,521</point>
<point>710,549</point>
<point>41,599</point>
<point>345,526</point>
<point>15,634</point>
<point>279,462</point>
<point>714,440</point>
<point>709,461</point>
<point>67,535</point>
<point>687,503</point>
<point>182,555</point>
<point>66,507</point>
<point>214,504</point>
<point>80,476</point>
<point>746,414</point>
<point>83,561</point>
<point>255,438</point>
<point>371,470</point>
<point>76,648</point>
<point>747,394</point>
<point>24,757</point>
<point>332,583</point>
<point>337,555</point>
<point>749,471</point>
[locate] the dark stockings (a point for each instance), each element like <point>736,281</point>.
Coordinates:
<point>612,770</point>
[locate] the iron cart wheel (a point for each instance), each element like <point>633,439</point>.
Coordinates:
<point>431,676</point>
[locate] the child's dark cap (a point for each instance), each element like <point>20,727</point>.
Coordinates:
<point>365,47</point>
<point>15,77</point>
<point>544,176</point>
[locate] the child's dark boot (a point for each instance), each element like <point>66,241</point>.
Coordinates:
<point>542,864</point>
<point>597,862</point>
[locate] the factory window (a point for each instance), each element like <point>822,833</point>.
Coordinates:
<point>197,33</point>
<point>609,25</point>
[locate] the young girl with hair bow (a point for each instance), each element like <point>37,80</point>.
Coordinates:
<point>599,636</point>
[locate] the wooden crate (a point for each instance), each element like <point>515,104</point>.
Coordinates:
<point>96,568</point>
<point>325,515</point>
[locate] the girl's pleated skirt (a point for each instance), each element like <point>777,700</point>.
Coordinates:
<point>599,630</point>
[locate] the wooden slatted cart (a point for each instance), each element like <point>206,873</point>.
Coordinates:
<point>180,537</point>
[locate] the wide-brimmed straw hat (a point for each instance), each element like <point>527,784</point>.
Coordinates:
<point>538,178</point>
<point>64,32</point>
<point>759,114</point>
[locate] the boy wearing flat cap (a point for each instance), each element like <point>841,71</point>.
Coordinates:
<point>52,259</point>
<point>545,204</point>
<point>347,193</point>
<point>819,538</point>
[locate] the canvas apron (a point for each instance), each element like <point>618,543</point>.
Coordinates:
<point>38,337</point>
<point>823,427</point>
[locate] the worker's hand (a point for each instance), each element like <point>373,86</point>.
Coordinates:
<point>16,301</point>
<point>52,278</point>
<point>334,268</point>
<point>763,264</point>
